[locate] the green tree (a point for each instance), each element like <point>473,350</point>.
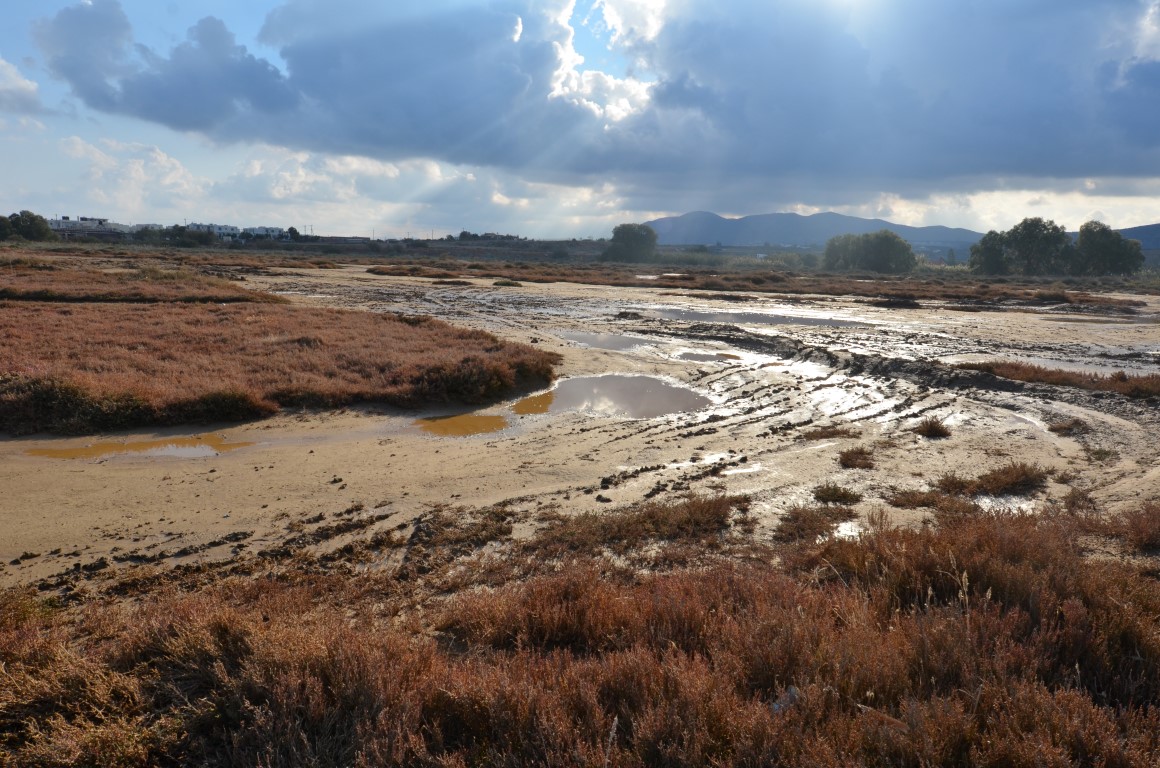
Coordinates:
<point>881,251</point>
<point>1039,247</point>
<point>840,252</point>
<point>293,234</point>
<point>952,257</point>
<point>5,228</point>
<point>30,226</point>
<point>989,255</point>
<point>631,242</point>
<point>1101,250</point>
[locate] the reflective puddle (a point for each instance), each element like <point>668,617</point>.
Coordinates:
<point>708,357</point>
<point>751,318</point>
<point>463,425</point>
<point>610,341</point>
<point>635,397</point>
<point>176,447</point>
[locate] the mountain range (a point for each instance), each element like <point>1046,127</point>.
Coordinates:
<point>793,230</point>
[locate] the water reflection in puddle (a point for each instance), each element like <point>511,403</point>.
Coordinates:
<point>175,447</point>
<point>633,397</point>
<point>636,397</point>
<point>463,425</point>
<point>752,318</point>
<point>610,341</point>
<point>708,357</point>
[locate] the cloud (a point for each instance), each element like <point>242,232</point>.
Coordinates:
<point>739,107</point>
<point>17,93</point>
<point>205,84</point>
<point>133,178</point>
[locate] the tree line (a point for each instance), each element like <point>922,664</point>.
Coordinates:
<point>27,225</point>
<point>1038,247</point>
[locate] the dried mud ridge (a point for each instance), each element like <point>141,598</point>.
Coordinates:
<point>925,373</point>
<point>755,416</point>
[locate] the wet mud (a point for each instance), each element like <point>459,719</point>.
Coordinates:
<point>689,396</point>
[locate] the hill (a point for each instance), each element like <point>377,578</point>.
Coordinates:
<point>795,230</point>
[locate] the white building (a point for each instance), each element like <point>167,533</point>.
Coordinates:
<point>221,231</point>
<point>274,233</point>
<point>87,226</point>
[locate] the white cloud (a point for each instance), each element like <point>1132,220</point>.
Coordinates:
<point>633,21</point>
<point>133,178</point>
<point>18,93</point>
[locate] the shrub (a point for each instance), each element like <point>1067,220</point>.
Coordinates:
<point>932,428</point>
<point>1015,478</point>
<point>1141,526</point>
<point>856,458</point>
<point>831,493</point>
<point>810,523</point>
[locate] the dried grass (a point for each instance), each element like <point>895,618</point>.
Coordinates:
<point>856,458</point>
<point>832,493</point>
<point>829,432</point>
<point>989,640</point>
<point>1015,478</point>
<point>1118,382</point>
<point>932,428</point>
<point>86,367</point>
<point>810,523</point>
<point>43,281</point>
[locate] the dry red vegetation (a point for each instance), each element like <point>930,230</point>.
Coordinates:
<point>986,641</point>
<point>1016,478</point>
<point>856,458</point>
<point>33,280</point>
<point>83,367</point>
<point>1119,382</point>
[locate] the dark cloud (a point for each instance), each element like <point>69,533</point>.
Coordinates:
<point>204,84</point>
<point>783,101</point>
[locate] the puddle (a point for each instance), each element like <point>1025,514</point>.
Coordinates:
<point>708,357</point>
<point>534,405</point>
<point>751,318</point>
<point>635,397</point>
<point>610,341</point>
<point>174,447</point>
<point>464,425</point>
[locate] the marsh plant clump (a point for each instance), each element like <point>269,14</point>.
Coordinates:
<point>946,645</point>
<point>89,367</point>
<point>1141,386</point>
<point>932,428</point>
<point>832,493</point>
<point>1016,478</point>
<point>856,458</point>
<point>808,523</point>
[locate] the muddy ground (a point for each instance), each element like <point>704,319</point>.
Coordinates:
<point>769,368</point>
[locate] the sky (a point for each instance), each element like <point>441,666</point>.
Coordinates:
<point>563,118</point>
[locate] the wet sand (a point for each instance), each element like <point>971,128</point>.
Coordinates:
<point>183,495</point>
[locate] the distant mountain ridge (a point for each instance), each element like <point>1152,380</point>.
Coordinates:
<point>795,230</point>
<point>1148,235</point>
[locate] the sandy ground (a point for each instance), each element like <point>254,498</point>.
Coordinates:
<point>126,498</point>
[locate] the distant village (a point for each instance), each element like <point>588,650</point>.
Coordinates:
<point>91,227</point>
